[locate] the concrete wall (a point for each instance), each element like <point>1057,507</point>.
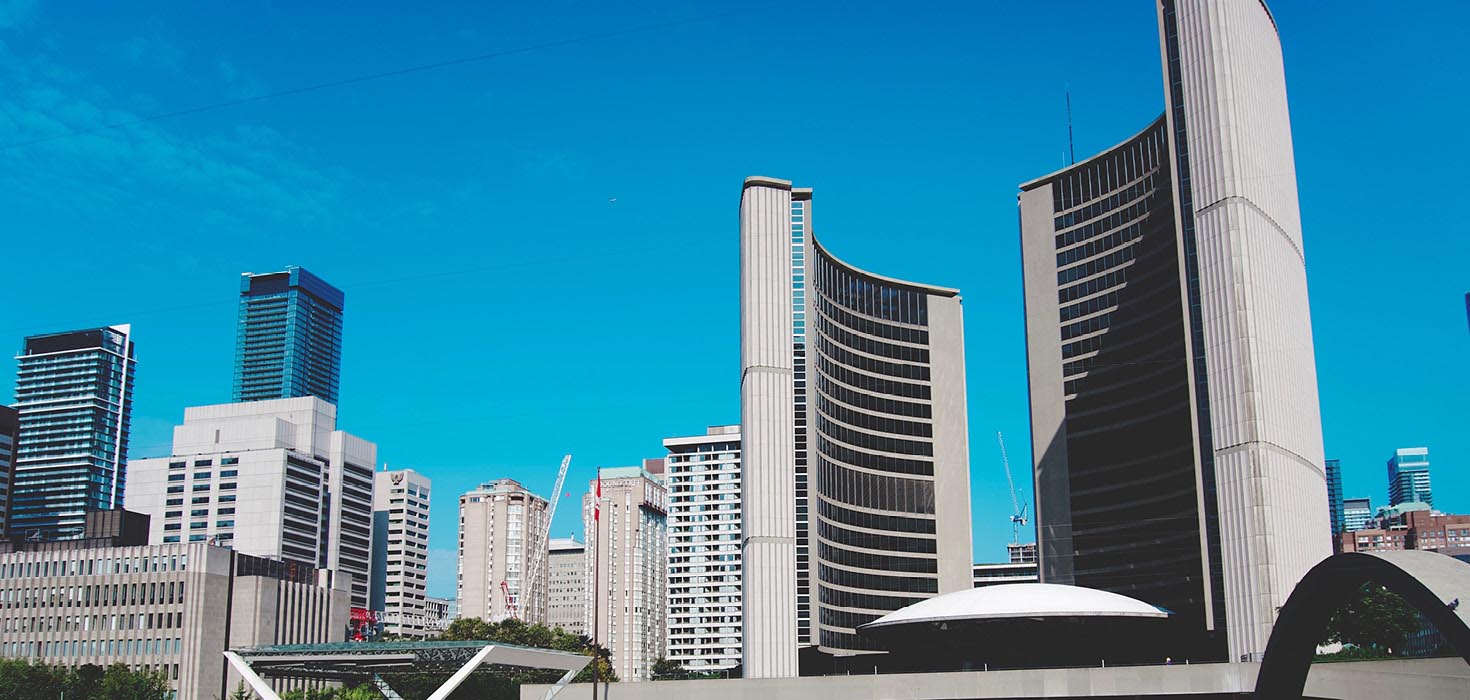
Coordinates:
<point>1426,679</point>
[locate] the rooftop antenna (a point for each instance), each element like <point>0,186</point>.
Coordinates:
<point>1071,152</point>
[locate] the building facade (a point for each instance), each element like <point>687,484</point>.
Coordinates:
<point>1408,477</point>
<point>74,395</point>
<point>272,479</point>
<point>1412,529</point>
<point>288,340</point>
<point>1334,496</point>
<point>566,571</point>
<point>1172,375</point>
<point>401,552</point>
<point>1356,513</point>
<point>855,480</point>
<point>438,613</point>
<point>995,574</point>
<point>702,475</point>
<point>627,558</point>
<point>501,525</point>
<point>9,432</point>
<point>171,608</point>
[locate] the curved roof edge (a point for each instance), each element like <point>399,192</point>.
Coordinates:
<point>926,288</point>
<point>1037,182</point>
<point>763,181</point>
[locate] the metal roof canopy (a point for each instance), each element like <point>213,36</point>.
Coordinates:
<point>366,661</point>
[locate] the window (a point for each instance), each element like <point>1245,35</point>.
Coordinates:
<point>172,526</point>
<point>171,539</point>
<point>229,460</point>
<point>201,487</point>
<point>201,475</point>
<point>224,523</point>
<point>173,514</point>
<point>227,487</point>
<point>227,498</point>
<point>198,525</point>
<point>203,462</point>
<point>176,489</point>
<point>174,502</point>
<point>228,473</point>
<point>176,465</point>
<point>175,477</point>
<point>199,512</point>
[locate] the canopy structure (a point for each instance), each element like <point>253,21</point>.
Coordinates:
<point>1019,601</point>
<point>368,661</point>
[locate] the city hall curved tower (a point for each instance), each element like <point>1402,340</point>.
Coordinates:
<point>1176,432</point>
<point>856,459</point>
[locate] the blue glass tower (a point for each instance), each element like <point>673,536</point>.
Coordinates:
<point>74,395</point>
<point>1408,477</point>
<point>1334,496</point>
<point>289,340</point>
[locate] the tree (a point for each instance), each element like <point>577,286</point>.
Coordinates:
<point>22,680</point>
<point>122,683</point>
<point>1376,619</point>
<point>242,693</point>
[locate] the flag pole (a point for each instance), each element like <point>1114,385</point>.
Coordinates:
<point>596,579</point>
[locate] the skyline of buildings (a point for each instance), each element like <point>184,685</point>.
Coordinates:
<point>1176,431</point>
<point>271,478</point>
<point>855,484</point>
<point>9,431</point>
<point>74,395</point>
<point>289,337</point>
<point>401,499</point>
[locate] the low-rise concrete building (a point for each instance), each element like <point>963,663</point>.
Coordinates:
<point>172,608</point>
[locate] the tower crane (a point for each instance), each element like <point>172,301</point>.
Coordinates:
<point>1018,509</point>
<point>538,547</point>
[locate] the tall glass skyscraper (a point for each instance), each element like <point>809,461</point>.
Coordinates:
<point>1176,430</point>
<point>74,394</point>
<point>855,475</point>
<point>289,340</point>
<point>1334,496</point>
<point>1408,477</point>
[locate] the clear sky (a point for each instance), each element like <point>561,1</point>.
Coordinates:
<point>502,309</point>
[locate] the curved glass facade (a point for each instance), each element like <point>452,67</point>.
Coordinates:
<point>872,443</point>
<point>1129,492</point>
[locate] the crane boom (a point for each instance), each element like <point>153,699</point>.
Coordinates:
<point>538,555</point>
<point>1018,511</point>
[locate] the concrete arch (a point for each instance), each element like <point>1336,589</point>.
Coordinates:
<point>1435,584</point>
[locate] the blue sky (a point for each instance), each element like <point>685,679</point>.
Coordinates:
<point>502,310</point>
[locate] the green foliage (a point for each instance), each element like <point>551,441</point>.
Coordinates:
<point>1351,654</point>
<point>242,693</point>
<point>1377,619</point>
<point>22,680</point>
<point>361,692</point>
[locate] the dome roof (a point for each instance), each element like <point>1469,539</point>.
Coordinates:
<point>1019,600</point>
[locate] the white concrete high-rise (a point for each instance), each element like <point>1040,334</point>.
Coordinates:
<point>702,475</point>
<point>567,584</point>
<point>401,552</point>
<point>628,553</point>
<point>272,479</point>
<point>855,477</point>
<point>501,525</point>
<point>1176,430</point>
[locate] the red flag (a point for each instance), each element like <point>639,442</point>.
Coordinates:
<point>597,500</point>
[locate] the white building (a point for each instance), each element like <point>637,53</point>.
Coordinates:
<point>567,575</point>
<point>172,608</point>
<point>272,479</point>
<point>438,612</point>
<point>501,525</point>
<point>401,551</point>
<point>702,475</point>
<point>629,554</point>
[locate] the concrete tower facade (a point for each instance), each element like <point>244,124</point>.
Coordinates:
<point>401,551</point>
<point>702,473</point>
<point>501,524</point>
<point>1169,341</point>
<point>855,474</point>
<point>627,563</point>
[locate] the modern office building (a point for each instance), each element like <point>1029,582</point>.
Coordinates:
<point>855,475</point>
<point>501,525</point>
<point>1022,553</point>
<point>566,571</point>
<point>1408,476</point>
<point>74,395</point>
<point>400,552</point>
<point>1334,495</point>
<point>702,475</point>
<point>1356,513</point>
<point>9,431</point>
<point>171,608</point>
<point>1176,430</point>
<point>272,479</point>
<point>627,562</point>
<point>288,342</point>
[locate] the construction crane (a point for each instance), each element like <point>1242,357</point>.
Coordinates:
<point>538,548</point>
<point>510,600</point>
<point>1018,509</point>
